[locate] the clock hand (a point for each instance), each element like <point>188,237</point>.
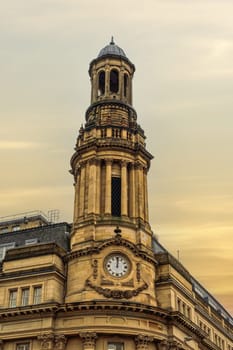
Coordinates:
<point>117,262</point>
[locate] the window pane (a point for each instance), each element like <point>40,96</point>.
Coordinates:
<point>116,196</point>
<point>115,346</point>
<point>13,298</point>
<point>114,81</point>
<point>24,346</point>
<point>102,83</point>
<point>37,295</point>
<point>25,297</point>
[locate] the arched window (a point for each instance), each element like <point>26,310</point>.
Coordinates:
<point>101,83</point>
<point>114,80</point>
<point>126,79</point>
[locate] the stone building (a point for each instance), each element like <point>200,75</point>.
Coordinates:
<point>106,283</point>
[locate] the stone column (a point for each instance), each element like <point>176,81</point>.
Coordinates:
<point>76,196</point>
<point>86,186</point>
<point>98,183</point>
<point>142,341</point>
<point>82,189</point>
<point>139,197</point>
<point>92,187</point>
<point>88,340</point>
<point>145,195</point>
<point>46,341</point>
<point>121,83</point>
<point>107,80</point>
<point>124,189</point>
<point>108,187</point>
<point>94,85</point>
<point>132,185</point>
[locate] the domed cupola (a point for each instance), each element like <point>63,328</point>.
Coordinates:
<point>111,75</point>
<point>113,50</point>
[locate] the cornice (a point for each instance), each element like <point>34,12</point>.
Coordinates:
<point>115,241</point>
<point>31,251</point>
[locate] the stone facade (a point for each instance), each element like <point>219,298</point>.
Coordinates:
<point>107,284</point>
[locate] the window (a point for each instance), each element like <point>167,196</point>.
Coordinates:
<point>114,80</point>
<point>115,346</point>
<point>101,90</point>
<point>125,84</point>
<point>31,241</point>
<point>116,196</point>
<point>23,346</point>
<point>4,248</point>
<point>4,229</point>
<point>37,295</point>
<point>13,298</point>
<point>25,297</point>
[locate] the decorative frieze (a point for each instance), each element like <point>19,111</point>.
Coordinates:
<point>117,293</point>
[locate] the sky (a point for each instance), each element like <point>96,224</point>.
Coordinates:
<point>183,53</point>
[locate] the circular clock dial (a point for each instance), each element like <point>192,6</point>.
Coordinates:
<point>117,265</point>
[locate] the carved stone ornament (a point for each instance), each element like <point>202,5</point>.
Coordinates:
<point>169,345</point>
<point>60,342</point>
<point>88,339</point>
<point>51,341</point>
<point>116,293</point>
<point>95,268</point>
<point>142,341</point>
<point>46,341</point>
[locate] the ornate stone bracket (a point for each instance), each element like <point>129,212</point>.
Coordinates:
<point>115,293</point>
<point>50,341</point>
<point>169,345</point>
<point>142,341</point>
<point>88,339</point>
<point>46,341</point>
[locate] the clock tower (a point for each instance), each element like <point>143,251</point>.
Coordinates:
<point>111,240</point>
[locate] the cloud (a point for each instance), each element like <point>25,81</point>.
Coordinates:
<point>18,145</point>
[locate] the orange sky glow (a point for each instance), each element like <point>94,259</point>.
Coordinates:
<point>183,87</point>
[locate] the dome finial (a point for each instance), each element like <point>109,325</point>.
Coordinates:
<point>112,41</point>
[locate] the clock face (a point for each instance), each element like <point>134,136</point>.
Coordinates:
<point>117,265</point>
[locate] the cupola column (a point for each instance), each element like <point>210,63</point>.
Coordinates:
<point>107,81</point>
<point>108,186</point>
<point>124,189</point>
